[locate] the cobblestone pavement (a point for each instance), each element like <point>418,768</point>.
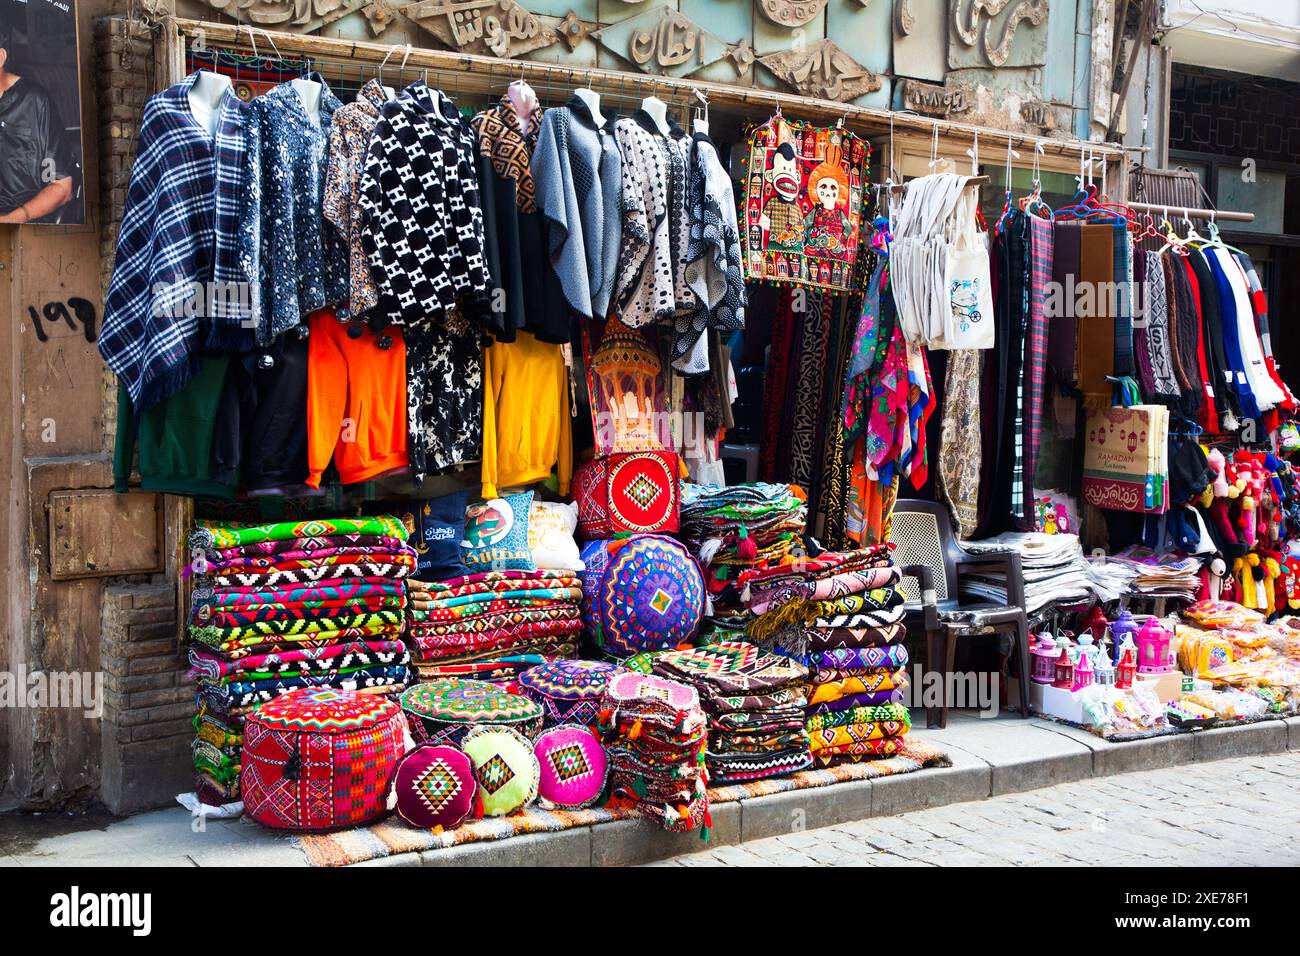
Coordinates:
<point>1239,812</point>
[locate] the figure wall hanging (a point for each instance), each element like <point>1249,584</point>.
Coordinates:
<point>804,196</point>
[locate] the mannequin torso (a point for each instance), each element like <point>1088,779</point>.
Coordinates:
<point>205,96</point>
<point>592,99</point>
<point>309,93</point>
<point>657,109</point>
<point>523,100</point>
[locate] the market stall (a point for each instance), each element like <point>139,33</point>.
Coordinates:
<point>536,443</point>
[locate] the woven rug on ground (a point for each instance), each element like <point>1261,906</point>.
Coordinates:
<point>390,837</point>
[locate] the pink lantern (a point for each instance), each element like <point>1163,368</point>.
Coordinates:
<point>1083,672</point>
<point>1043,657</point>
<point>1153,648</point>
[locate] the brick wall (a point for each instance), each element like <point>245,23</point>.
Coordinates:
<point>148,702</point>
<point>124,79</point>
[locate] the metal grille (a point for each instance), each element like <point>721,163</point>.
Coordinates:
<point>916,541</point>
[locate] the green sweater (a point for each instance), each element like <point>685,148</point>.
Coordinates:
<point>174,437</point>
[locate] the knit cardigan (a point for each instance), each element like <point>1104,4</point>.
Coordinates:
<point>577,174</point>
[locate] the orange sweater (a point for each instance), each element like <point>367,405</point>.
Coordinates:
<point>526,427</point>
<point>356,402</point>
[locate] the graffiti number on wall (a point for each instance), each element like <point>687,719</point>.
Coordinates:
<point>76,313</point>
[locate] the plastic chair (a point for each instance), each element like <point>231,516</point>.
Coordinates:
<point>932,562</point>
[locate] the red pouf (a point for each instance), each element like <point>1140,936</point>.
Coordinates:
<point>320,758</point>
<point>636,492</point>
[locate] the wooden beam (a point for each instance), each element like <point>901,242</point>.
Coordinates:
<point>471,71</point>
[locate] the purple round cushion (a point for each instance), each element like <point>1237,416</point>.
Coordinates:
<point>574,766</point>
<point>435,787</point>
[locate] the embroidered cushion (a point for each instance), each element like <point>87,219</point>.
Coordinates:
<point>318,758</point>
<point>505,769</point>
<point>569,691</point>
<point>573,766</point>
<point>443,711</point>
<point>496,534</point>
<point>550,535</point>
<point>637,493</point>
<point>437,527</point>
<point>434,786</point>
<point>640,594</point>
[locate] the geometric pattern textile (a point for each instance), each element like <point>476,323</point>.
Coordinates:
<point>640,594</point>
<point>505,768</point>
<point>574,767</point>
<point>435,787</point>
<point>320,758</point>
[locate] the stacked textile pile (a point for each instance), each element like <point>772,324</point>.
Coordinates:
<point>1160,575</point>
<point>734,528</point>
<point>840,614</point>
<point>493,625</point>
<point>1055,571</point>
<point>755,703</point>
<point>281,606</point>
<point>655,734</point>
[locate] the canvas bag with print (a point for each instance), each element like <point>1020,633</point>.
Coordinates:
<point>969,318</point>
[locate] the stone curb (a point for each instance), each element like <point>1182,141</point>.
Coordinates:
<point>970,778</point>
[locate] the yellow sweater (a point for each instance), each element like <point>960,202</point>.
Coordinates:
<point>526,428</point>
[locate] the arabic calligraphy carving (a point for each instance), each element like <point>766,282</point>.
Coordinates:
<point>791,13</point>
<point>824,70</point>
<point>500,27</point>
<point>968,23</point>
<point>309,15</point>
<point>662,41</point>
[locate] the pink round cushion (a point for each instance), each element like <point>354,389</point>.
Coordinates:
<point>435,787</point>
<point>574,766</point>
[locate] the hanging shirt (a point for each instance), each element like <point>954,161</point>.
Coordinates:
<point>419,197</point>
<point>444,394</point>
<point>712,260</point>
<point>298,263</point>
<point>526,427</point>
<point>349,139</point>
<point>530,298</point>
<point>644,290</point>
<point>577,174</point>
<point>177,235</point>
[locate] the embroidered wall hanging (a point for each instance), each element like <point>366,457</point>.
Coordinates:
<point>804,204</point>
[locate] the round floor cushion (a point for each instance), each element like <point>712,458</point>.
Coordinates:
<point>573,765</point>
<point>434,786</point>
<point>640,594</point>
<point>442,711</point>
<point>319,758</point>
<point>505,769</point>
<point>569,691</point>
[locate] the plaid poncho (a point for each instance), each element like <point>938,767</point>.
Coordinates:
<point>177,240</point>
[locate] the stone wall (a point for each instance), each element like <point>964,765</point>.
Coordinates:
<point>148,701</point>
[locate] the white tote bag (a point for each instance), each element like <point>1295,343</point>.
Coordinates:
<point>970,288</point>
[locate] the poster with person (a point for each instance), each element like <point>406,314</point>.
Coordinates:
<point>41,180</point>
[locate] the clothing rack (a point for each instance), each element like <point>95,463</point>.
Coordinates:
<point>471,73</point>
<point>1218,215</point>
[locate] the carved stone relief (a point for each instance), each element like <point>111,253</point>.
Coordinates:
<point>983,31</point>
<point>824,70</point>
<point>489,27</point>
<point>791,13</point>
<point>664,41</point>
